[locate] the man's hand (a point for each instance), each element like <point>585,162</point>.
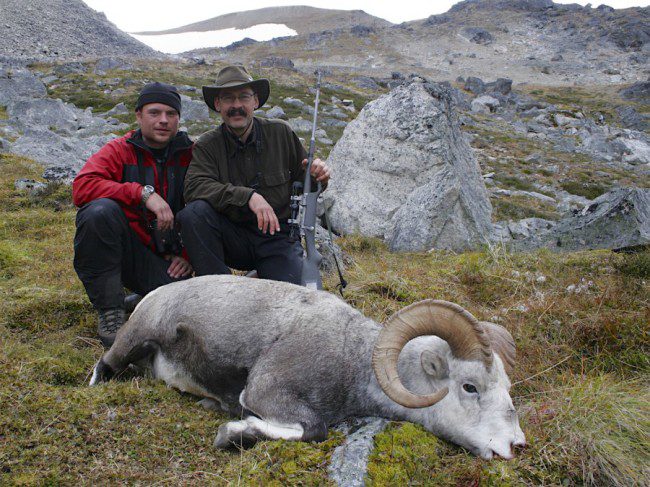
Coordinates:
<point>159,207</point>
<point>266,218</point>
<point>179,266</point>
<point>319,170</point>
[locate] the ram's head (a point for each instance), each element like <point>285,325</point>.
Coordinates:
<point>466,363</point>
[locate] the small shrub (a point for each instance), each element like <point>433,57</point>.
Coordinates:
<point>42,310</point>
<point>358,243</point>
<point>56,195</point>
<point>516,183</point>
<point>11,258</point>
<point>61,371</point>
<point>589,191</point>
<point>634,265</point>
<point>517,209</point>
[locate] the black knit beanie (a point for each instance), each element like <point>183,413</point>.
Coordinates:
<point>159,93</point>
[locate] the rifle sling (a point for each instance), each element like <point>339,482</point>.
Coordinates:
<point>342,282</point>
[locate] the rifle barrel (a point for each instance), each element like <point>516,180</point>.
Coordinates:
<point>312,142</point>
<point>311,265</point>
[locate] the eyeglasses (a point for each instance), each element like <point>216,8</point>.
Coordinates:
<point>243,98</point>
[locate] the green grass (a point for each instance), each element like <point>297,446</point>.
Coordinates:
<point>589,191</point>
<point>591,101</point>
<point>519,207</point>
<point>634,265</point>
<point>513,182</point>
<point>580,383</point>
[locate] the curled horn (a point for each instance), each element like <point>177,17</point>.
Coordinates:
<point>502,343</point>
<point>465,336</point>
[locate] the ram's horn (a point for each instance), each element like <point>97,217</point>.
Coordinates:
<point>502,343</point>
<point>465,336</point>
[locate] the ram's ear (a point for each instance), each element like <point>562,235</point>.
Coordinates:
<point>434,364</point>
<point>502,343</point>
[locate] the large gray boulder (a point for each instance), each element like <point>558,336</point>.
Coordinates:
<point>615,220</point>
<point>62,156</point>
<point>194,110</point>
<point>276,112</point>
<point>485,104</point>
<point>108,63</point>
<point>57,116</point>
<point>403,171</point>
<point>45,113</point>
<point>614,145</point>
<point>19,82</point>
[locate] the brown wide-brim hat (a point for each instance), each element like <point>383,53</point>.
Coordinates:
<point>235,77</point>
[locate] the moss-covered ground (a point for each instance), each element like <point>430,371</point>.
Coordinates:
<point>581,383</point>
<point>580,321</point>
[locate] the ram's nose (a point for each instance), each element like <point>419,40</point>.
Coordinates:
<point>519,444</point>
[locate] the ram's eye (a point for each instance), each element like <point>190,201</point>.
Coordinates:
<point>470,388</point>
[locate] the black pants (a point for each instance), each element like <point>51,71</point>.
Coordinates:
<point>108,256</point>
<point>215,243</point>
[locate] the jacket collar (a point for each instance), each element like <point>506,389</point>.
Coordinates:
<point>232,141</point>
<point>181,141</point>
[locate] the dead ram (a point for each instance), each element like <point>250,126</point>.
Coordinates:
<point>291,361</point>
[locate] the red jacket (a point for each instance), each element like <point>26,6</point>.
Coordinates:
<point>113,173</point>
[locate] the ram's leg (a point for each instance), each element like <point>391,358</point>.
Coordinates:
<point>277,415</point>
<point>246,432</point>
<point>132,344</point>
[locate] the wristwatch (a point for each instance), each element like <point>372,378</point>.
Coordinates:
<point>146,192</point>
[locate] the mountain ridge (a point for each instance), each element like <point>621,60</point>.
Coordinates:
<point>303,19</point>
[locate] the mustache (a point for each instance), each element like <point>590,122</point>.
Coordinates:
<point>236,111</point>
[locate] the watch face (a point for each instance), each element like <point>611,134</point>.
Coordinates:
<point>147,191</point>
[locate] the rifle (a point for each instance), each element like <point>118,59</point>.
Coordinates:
<point>303,212</point>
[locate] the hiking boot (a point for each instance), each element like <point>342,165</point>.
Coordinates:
<point>110,320</point>
<point>131,301</point>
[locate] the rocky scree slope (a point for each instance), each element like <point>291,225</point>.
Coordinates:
<point>543,152</point>
<point>61,29</point>
<point>533,41</point>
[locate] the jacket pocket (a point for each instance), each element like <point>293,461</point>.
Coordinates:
<point>277,178</point>
<point>276,190</point>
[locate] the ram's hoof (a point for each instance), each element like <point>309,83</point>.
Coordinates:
<point>101,373</point>
<point>233,435</point>
<point>222,440</point>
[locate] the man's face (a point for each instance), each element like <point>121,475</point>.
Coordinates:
<point>237,106</point>
<point>158,123</point>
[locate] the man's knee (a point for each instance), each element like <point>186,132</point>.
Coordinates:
<point>100,211</point>
<point>199,217</point>
<point>195,212</point>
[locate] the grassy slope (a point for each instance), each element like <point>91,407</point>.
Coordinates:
<point>580,386</point>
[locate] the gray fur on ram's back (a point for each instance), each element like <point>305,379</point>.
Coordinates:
<point>290,361</point>
<point>253,326</point>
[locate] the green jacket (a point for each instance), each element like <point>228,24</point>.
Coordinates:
<point>224,172</point>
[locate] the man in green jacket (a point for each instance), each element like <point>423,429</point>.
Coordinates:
<point>238,185</point>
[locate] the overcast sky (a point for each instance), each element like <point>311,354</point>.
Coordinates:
<point>143,15</point>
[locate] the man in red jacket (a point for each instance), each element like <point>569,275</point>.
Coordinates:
<point>128,194</point>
